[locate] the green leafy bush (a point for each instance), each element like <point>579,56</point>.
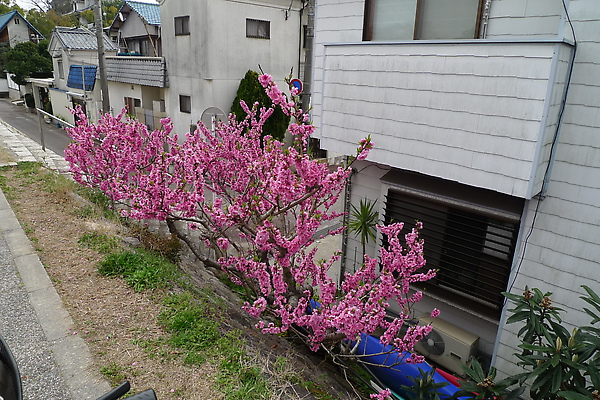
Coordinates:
<point>557,364</point>
<point>142,270</point>
<point>251,91</point>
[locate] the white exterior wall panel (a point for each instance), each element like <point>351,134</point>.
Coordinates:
<point>564,247</point>
<point>524,18</point>
<point>404,93</point>
<point>350,100</point>
<point>208,64</point>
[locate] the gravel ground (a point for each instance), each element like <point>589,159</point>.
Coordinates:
<point>40,374</point>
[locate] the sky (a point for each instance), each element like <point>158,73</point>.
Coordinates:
<point>27,4</point>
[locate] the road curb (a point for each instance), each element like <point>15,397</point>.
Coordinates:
<point>70,351</point>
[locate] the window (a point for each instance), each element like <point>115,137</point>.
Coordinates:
<point>185,104</point>
<point>304,35</point>
<point>258,29</point>
<point>421,19</point>
<point>61,70</point>
<point>182,25</point>
<point>470,235</point>
<point>131,103</point>
<point>17,22</point>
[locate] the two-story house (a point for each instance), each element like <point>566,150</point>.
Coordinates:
<point>74,53</point>
<point>14,28</point>
<point>210,44</point>
<point>485,123</point>
<point>136,29</point>
<point>137,76</point>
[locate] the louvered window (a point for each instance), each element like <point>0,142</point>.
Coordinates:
<point>472,246</point>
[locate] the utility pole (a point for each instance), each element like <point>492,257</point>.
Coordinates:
<point>310,35</point>
<point>101,60</point>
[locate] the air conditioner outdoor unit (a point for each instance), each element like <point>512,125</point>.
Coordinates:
<point>447,345</point>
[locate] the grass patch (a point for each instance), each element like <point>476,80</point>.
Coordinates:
<point>5,188</point>
<point>33,173</point>
<point>100,242</point>
<point>239,376</point>
<point>194,325</point>
<point>141,270</point>
<point>114,373</point>
<point>103,206</point>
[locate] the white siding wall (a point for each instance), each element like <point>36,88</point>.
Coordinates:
<point>338,21</point>
<point>472,113</point>
<point>524,19</point>
<point>209,63</point>
<point>61,105</point>
<point>17,33</point>
<point>118,91</point>
<point>563,251</point>
<point>134,26</point>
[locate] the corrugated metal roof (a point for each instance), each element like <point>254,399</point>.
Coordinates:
<point>80,38</point>
<point>146,71</point>
<point>4,18</point>
<point>75,79</point>
<point>149,12</point>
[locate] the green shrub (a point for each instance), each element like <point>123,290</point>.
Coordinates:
<point>251,91</point>
<point>142,270</point>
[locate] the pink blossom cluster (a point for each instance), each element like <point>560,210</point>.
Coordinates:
<point>257,205</point>
<point>385,394</point>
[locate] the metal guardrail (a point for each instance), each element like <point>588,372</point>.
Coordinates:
<point>41,114</point>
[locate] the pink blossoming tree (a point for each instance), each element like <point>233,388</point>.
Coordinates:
<point>256,205</point>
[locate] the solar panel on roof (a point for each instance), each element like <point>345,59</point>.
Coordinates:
<point>76,78</point>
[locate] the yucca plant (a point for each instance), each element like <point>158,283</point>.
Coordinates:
<point>425,387</point>
<point>363,222</point>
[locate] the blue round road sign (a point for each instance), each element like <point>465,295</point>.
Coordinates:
<point>297,83</point>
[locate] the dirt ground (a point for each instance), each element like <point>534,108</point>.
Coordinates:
<point>114,319</point>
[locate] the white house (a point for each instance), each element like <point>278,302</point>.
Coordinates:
<point>136,29</point>
<point>210,44</point>
<point>74,53</point>
<point>465,102</point>
<point>137,76</point>
<point>14,28</point>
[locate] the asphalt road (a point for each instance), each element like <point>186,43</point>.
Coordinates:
<point>20,327</point>
<point>55,139</point>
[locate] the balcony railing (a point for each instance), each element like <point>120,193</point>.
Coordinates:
<point>482,113</point>
<point>138,70</point>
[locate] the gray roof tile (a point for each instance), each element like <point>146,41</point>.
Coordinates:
<point>79,38</point>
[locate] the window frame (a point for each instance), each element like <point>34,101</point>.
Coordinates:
<point>258,22</point>
<point>131,103</point>
<point>182,25</point>
<point>61,69</point>
<point>369,22</point>
<point>185,104</point>
<point>474,260</point>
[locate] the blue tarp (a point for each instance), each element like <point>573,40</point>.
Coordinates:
<point>75,79</point>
